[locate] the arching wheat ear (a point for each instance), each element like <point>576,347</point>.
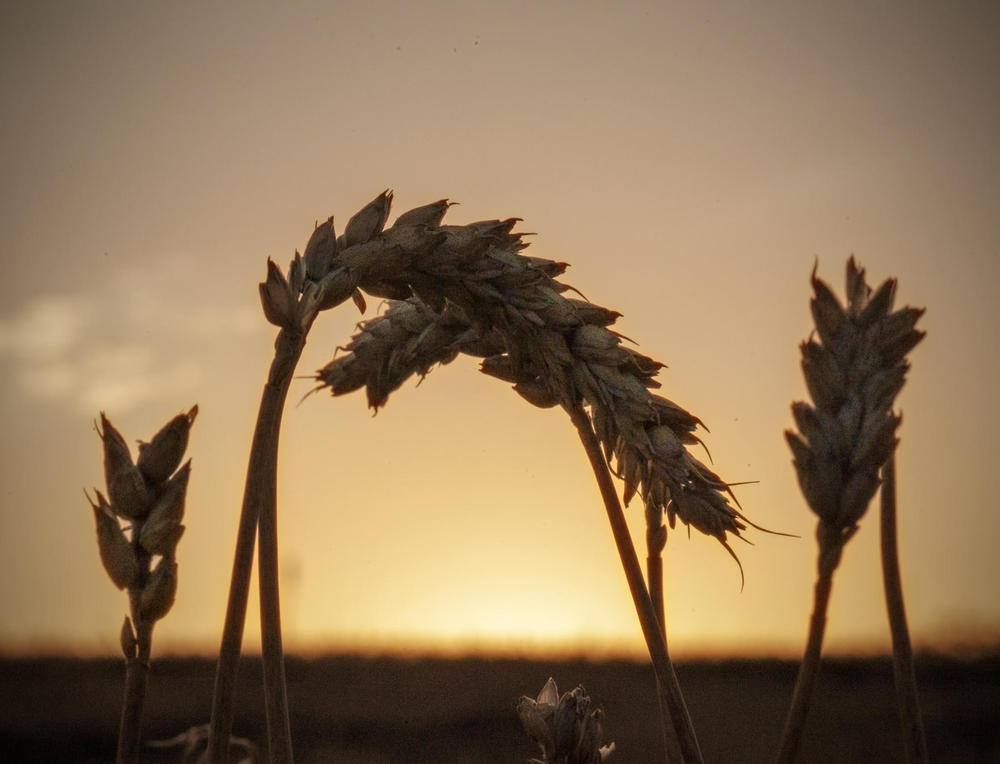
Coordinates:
<point>468,289</point>
<point>854,367</point>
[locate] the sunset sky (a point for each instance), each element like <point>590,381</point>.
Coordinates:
<point>690,161</point>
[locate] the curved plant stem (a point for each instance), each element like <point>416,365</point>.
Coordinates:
<point>678,715</point>
<point>259,508</point>
<point>914,739</point>
<point>831,544</point>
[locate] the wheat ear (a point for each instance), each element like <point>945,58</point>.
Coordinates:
<point>854,367</point>
<point>147,495</point>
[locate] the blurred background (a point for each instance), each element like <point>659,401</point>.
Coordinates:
<point>692,162</point>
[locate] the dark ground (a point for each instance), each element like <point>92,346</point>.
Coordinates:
<point>389,710</point>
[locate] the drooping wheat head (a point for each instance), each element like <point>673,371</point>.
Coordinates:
<point>468,289</point>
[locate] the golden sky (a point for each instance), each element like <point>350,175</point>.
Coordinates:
<point>691,162</point>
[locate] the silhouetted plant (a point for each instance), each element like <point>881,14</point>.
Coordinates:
<point>854,367</point>
<point>139,522</point>
<point>567,728</point>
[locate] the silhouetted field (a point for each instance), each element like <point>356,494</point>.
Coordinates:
<point>384,710</point>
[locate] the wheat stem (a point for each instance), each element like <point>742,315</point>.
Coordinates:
<point>259,508</point>
<point>831,545</point>
<point>656,541</point>
<point>914,739</point>
<point>136,679</point>
<point>677,717</point>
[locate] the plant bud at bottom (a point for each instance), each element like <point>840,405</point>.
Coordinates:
<point>565,728</point>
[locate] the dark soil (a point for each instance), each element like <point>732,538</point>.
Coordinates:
<point>383,710</point>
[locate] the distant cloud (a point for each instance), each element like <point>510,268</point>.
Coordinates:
<point>118,389</point>
<point>136,341</point>
<point>47,327</point>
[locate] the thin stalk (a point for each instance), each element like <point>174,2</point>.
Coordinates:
<point>656,541</point>
<point>259,508</point>
<point>136,676</point>
<point>831,544</point>
<point>678,716</point>
<point>914,740</point>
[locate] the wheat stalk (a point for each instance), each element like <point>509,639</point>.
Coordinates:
<point>854,367</point>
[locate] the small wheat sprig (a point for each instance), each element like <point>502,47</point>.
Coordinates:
<point>567,728</point>
<point>854,367</point>
<point>139,521</point>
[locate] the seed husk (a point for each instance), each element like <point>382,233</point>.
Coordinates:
<point>160,457</point>
<point>276,297</point>
<point>129,493</point>
<point>114,548</point>
<point>160,532</point>
<point>117,457</point>
<point>321,251</point>
<point>369,221</point>
<point>157,595</point>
